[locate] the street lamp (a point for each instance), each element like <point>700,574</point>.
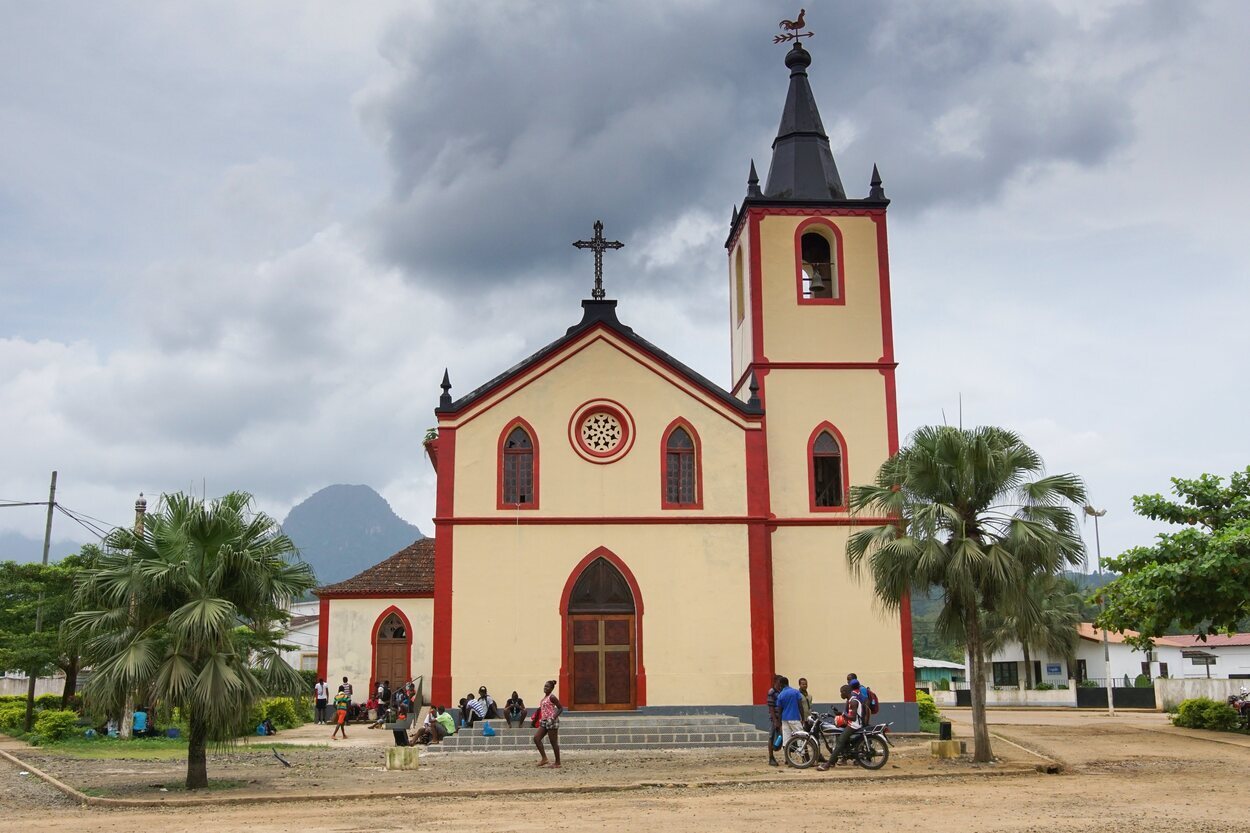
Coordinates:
<point>1102,605</point>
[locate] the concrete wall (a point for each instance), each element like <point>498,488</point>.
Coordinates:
<point>1018,697</point>
<point>349,648</point>
<point>1169,693</point>
<point>43,685</point>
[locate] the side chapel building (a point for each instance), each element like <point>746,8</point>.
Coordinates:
<point>609,518</point>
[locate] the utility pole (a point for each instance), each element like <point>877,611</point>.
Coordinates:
<point>47,544</point>
<point>1106,648</point>
<point>128,709</point>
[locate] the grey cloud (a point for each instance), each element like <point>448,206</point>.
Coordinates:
<point>505,144</point>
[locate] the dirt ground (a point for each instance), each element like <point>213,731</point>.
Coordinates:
<point>1129,774</point>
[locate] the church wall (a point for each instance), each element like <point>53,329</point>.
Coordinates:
<point>695,621</point>
<point>740,333</point>
<point>795,332</point>
<point>827,623</point>
<point>798,401</point>
<point>572,486</point>
<point>350,647</point>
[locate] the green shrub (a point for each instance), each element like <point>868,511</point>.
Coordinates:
<point>12,717</point>
<point>1142,681</point>
<point>1043,687</point>
<point>54,724</point>
<point>48,701</point>
<point>1205,713</point>
<point>1088,684</point>
<point>928,709</point>
<point>310,680</point>
<point>285,712</point>
<point>943,684</point>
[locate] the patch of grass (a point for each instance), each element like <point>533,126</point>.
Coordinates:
<point>214,785</point>
<point>930,726</point>
<point>110,749</point>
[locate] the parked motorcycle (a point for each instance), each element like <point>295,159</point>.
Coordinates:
<point>1241,704</point>
<point>869,747</point>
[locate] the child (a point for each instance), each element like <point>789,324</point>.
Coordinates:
<point>341,702</point>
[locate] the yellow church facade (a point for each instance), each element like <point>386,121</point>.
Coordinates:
<point>607,517</point>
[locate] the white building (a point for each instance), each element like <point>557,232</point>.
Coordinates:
<point>302,633</point>
<point>1006,667</point>
<point>1228,657</point>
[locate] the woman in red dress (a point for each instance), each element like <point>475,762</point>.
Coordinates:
<point>549,711</point>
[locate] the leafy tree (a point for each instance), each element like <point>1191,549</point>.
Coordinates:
<point>1043,619</point>
<point>188,615</point>
<point>976,519</point>
<point>1197,578</point>
<point>24,590</point>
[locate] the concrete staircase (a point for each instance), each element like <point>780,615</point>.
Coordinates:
<point>622,730</point>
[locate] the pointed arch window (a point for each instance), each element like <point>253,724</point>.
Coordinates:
<point>683,478</point>
<point>518,467</point>
<point>819,269</point>
<point>828,470</point>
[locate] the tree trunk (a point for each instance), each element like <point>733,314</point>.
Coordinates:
<point>976,678</point>
<point>71,680</point>
<point>1028,667</point>
<point>197,762</point>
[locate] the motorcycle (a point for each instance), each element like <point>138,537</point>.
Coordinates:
<point>1241,704</point>
<point>868,747</point>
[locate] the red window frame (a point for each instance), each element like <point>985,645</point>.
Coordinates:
<point>816,225</point>
<point>696,455</point>
<point>504,452</point>
<point>831,429</point>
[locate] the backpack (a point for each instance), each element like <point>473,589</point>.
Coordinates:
<point>869,698</point>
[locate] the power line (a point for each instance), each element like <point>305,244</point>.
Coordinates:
<point>92,528</point>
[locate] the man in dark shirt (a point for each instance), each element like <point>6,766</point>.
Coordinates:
<point>774,720</point>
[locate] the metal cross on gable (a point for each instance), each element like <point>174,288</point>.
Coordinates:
<point>598,245</point>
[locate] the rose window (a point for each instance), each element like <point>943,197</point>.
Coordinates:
<point>602,432</point>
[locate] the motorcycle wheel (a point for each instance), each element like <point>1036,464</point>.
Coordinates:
<point>801,752</point>
<point>872,753</point>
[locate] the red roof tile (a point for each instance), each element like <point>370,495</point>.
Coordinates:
<point>1219,640</point>
<point>409,572</point>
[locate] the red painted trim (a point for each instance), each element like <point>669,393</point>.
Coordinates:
<point>323,637</point>
<point>799,231</point>
<point>759,566</point>
<point>640,685</point>
<point>883,270</point>
<point>681,422</point>
<point>881,366</point>
<point>778,211</point>
<point>623,416</point>
<point>350,595</point>
<point>440,682</point>
<point>811,469</point>
<point>909,662</point>
<point>655,520</point>
<point>757,291</point>
<point>596,333</point>
<point>891,417</point>
<point>373,646</point>
<point>516,422</point>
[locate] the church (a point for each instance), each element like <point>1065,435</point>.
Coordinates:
<point>609,518</point>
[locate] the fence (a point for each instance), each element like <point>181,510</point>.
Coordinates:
<point>1070,696</point>
<point>43,685</point>
<point>1169,693</point>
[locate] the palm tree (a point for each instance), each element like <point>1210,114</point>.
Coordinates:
<point>185,616</point>
<point>976,517</point>
<point>1044,619</point>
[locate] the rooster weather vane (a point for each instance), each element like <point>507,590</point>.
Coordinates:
<point>792,30</point>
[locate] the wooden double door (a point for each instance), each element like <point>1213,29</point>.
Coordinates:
<point>603,660</point>
<point>601,640</point>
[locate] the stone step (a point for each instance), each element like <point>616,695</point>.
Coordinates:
<point>616,732</point>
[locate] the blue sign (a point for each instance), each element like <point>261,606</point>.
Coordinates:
<point>1054,668</point>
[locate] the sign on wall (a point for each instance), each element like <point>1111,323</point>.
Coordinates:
<point>1054,668</point>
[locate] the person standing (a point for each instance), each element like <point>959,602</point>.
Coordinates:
<point>321,696</point>
<point>549,711</point>
<point>774,720</point>
<point>805,701</point>
<point>788,710</point>
<point>341,702</point>
<point>347,689</point>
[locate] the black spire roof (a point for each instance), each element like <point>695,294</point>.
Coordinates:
<point>802,168</point>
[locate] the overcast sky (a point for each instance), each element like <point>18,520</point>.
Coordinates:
<point>240,241</point>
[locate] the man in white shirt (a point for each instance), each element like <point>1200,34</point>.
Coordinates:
<point>321,694</point>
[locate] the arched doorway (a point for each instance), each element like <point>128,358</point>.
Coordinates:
<point>392,648</point>
<point>601,639</point>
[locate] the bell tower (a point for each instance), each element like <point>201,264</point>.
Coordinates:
<point>811,337</point>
